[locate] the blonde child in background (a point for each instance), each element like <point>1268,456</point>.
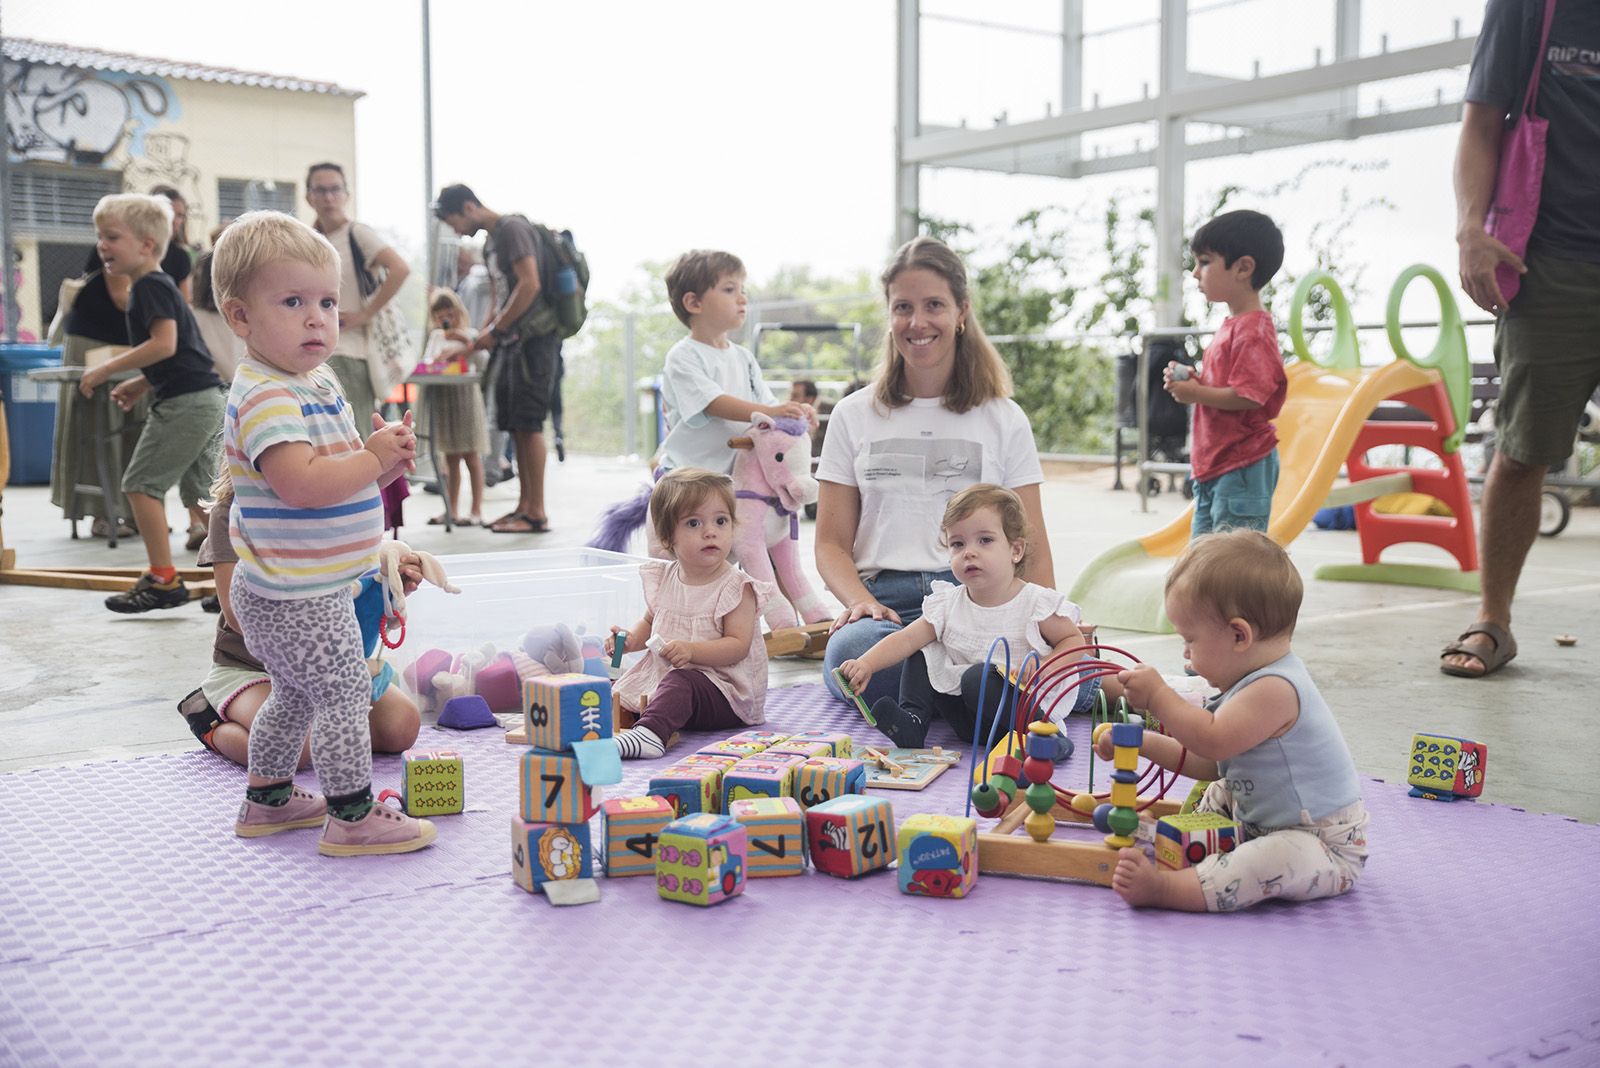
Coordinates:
<point>458,420</point>
<point>221,711</point>
<point>986,530</point>
<point>707,666</point>
<point>306,521</point>
<point>711,386</point>
<point>1270,745</point>
<point>178,446</point>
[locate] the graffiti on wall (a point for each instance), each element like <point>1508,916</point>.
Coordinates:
<point>65,115</point>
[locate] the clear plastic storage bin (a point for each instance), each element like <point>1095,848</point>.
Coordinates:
<point>504,595</point>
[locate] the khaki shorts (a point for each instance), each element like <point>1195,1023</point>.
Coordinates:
<point>1547,348</point>
<point>180,446</point>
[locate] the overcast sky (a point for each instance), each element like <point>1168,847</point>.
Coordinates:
<point>765,128</point>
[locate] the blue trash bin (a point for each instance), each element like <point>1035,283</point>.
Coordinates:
<point>30,411</point>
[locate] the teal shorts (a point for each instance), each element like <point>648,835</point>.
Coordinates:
<point>1241,498</point>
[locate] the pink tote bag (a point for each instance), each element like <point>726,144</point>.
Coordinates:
<point>1517,181</point>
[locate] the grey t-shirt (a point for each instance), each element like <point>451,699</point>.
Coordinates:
<point>514,238</point>
<point>1569,99</point>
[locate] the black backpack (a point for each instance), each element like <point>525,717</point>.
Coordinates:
<point>566,279</point>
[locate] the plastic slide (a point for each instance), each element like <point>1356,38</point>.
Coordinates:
<point>1324,415</point>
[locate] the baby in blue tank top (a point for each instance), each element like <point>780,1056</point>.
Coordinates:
<point>1270,745</point>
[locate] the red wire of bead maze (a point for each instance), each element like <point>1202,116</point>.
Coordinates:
<point>1055,671</point>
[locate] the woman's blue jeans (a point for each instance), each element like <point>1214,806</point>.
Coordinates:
<point>902,591</point>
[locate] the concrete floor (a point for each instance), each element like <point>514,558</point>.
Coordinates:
<point>80,684</point>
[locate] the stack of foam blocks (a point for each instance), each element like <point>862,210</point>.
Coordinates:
<point>569,727</point>
<point>753,788</point>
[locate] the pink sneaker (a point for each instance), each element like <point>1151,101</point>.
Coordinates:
<point>381,830</point>
<point>303,809</point>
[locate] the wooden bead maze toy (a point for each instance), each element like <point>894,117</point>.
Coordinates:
<point>1028,750</point>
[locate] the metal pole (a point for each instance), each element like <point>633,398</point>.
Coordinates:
<point>6,249</point>
<point>630,388</point>
<point>430,228</point>
<point>1170,157</point>
<point>908,120</point>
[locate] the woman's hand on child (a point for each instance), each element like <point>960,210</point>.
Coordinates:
<point>678,653</point>
<point>856,674</point>
<point>862,610</point>
<point>1141,685</point>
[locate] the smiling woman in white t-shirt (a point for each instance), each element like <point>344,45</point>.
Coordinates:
<point>937,419</point>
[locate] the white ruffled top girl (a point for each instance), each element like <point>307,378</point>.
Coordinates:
<point>684,612</point>
<point>964,629</point>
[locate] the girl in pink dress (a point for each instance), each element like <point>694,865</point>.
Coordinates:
<point>706,667</point>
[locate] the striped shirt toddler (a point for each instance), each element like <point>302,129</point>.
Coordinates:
<point>287,553</point>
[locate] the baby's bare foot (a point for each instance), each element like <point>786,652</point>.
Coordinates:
<point>1136,879</point>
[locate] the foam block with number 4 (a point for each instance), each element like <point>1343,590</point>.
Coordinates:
<point>549,852</point>
<point>690,788</point>
<point>632,827</point>
<point>777,829</point>
<point>938,855</point>
<point>562,709</point>
<point>432,782</point>
<point>826,778</point>
<point>759,776</point>
<point>553,791</point>
<point>850,835</point>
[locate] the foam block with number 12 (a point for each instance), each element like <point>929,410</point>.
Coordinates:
<point>851,835</point>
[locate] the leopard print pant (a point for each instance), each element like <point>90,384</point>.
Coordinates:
<point>320,682</point>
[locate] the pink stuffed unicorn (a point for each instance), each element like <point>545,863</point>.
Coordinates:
<point>772,481</point>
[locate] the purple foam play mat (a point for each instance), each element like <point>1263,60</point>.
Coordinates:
<point>135,929</point>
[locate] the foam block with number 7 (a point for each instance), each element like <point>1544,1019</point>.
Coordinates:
<point>826,778</point>
<point>562,709</point>
<point>632,828</point>
<point>552,789</point>
<point>851,835</point>
<point>777,829</point>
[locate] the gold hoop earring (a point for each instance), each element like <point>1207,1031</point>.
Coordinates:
<point>961,328</point>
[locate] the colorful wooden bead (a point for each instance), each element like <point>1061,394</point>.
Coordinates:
<point>1040,826</point>
<point>1085,803</point>
<point>1038,771</point>
<point>1041,797</point>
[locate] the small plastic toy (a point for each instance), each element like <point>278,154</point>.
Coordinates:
<point>690,788</point>
<point>546,853</point>
<point>633,825</point>
<point>700,859</point>
<point>432,783</point>
<point>1190,837</point>
<point>1446,769</point>
<point>861,706</point>
<point>553,789</point>
<point>851,835</point>
<point>776,826</point>
<point>759,776</point>
<point>564,709</point>
<point>938,855</point>
<point>825,778</point>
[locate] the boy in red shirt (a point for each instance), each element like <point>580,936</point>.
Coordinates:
<point>1240,384</point>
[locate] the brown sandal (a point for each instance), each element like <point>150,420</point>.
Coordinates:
<point>1503,652</point>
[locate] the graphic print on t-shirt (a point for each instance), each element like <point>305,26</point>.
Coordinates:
<point>922,466</point>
